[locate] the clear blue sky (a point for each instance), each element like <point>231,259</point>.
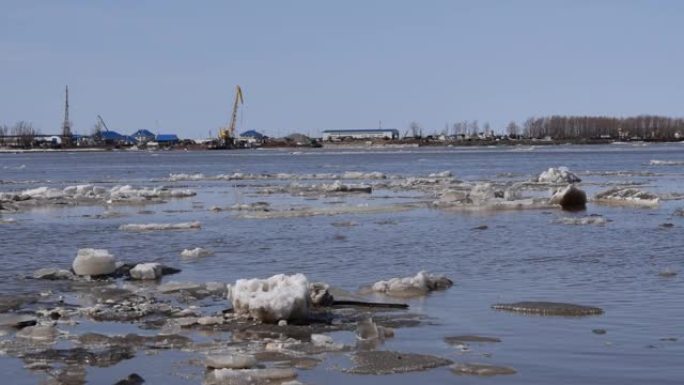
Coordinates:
<point>171,66</point>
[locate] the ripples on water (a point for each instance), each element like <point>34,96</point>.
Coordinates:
<point>522,255</point>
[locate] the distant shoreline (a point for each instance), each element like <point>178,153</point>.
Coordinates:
<point>352,145</point>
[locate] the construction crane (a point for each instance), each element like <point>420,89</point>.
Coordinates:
<point>99,119</point>
<point>227,134</point>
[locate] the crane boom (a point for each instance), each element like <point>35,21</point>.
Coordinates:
<point>228,133</point>
<point>99,118</point>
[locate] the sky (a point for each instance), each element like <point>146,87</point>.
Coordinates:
<point>306,66</point>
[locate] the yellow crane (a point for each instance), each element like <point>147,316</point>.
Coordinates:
<point>227,134</point>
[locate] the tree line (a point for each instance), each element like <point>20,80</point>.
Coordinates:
<point>22,134</point>
<point>588,127</point>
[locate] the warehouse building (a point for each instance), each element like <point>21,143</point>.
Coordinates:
<point>340,135</point>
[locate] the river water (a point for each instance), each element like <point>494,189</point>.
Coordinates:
<point>522,255</point>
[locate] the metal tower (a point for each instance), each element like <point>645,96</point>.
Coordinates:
<point>66,125</point>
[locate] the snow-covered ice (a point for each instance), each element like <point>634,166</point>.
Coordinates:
<point>160,226</point>
<point>280,297</point>
<point>560,175</point>
<point>94,262</point>
<point>420,284</point>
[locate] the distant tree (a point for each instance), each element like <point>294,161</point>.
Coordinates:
<point>25,134</point>
<point>512,129</point>
<point>96,132</point>
<point>487,129</point>
<point>416,130</point>
<point>4,130</point>
<point>474,128</point>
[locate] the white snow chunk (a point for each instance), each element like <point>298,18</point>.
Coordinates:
<point>443,174</point>
<point>280,297</point>
<point>666,162</point>
<point>627,196</point>
<point>231,361</point>
<point>161,226</point>
<point>569,198</point>
<point>560,175</point>
<point>586,220</point>
<point>197,252</point>
<point>145,271</point>
<point>249,376</point>
<point>420,284</point>
<point>93,262</point>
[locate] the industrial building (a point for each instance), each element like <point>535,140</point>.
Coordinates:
<point>340,135</point>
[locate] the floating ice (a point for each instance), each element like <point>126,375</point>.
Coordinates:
<point>280,297</point>
<point>94,193</point>
<point>231,361</point>
<point>249,376</point>
<point>586,220</point>
<point>627,196</point>
<point>94,262</point>
<point>363,175</point>
<point>161,226</point>
<point>146,271</point>
<point>443,174</point>
<point>560,175</point>
<point>666,162</point>
<point>197,252</point>
<point>570,198</point>
<point>421,284</point>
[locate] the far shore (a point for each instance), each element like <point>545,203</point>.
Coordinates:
<point>358,144</point>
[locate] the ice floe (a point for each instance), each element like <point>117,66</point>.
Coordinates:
<point>160,226</point>
<point>570,198</point>
<point>94,262</point>
<point>90,193</point>
<point>146,271</point>
<point>666,163</point>
<point>627,196</point>
<point>197,252</point>
<point>560,175</point>
<point>585,220</point>
<point>280,297</point>
<point>420,284</point>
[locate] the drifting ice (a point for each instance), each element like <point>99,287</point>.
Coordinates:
<point>420,284</point>
<point>628,196</point>
<point>94,262</point>
<point>146,271</point>
<point>560,175</point>
<point>280,297</point>
<point>161,226</point>
<point>197,252</point>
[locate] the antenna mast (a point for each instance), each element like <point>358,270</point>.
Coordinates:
<point>66,125</point>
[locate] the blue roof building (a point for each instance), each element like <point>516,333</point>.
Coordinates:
<point>252,134</point>
<point>142,136</point>
<point>167,139</point>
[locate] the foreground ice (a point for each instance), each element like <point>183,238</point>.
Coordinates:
<point>420,284</point>
<point>96,194</point>
<point>161,226</point>
<point>627,196</point>
<point>570,198</point>
<point>666,162</point>
<point>197,252</point>
<point>277,176</point>
<point>486,196</point>
<point>560,175</point>
<point>280,297</point>
<point>94,262</point>
<point>586,220</point>
<point>146,271</point>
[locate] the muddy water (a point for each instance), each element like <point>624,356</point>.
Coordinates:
<point>520,256</point>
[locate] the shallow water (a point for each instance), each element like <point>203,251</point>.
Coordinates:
<point>522,255</point>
